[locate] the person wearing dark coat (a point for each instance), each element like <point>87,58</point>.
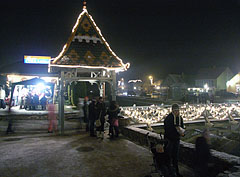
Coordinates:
<point>43,102</point>
<point>173,129</point>
<point>202,155</point>
<point>35,101</point>
<point>113,112</point>
<point>86,113</point>
<point>101,113</point>
<point>92,116</point>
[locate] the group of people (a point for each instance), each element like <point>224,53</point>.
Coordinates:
<point>167,154</point>
<point>95,114</point>
<point>31,101</point>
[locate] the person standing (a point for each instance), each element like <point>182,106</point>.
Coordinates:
<point>113,119</point>
<point>35,101</point>
<point>52,119</point>
<point>101,113</point>
<point>2,98</point>
<point>173,130</point>
<point>92,116</point>
<point>43,102</point>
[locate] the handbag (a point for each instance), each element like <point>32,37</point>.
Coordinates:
<point>98,123</point>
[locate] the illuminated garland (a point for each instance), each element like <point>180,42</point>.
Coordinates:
<point>66,46</point>
<point>134,81</point>
<point>156,114</point>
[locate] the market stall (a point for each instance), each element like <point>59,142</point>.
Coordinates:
<point>32,94</point>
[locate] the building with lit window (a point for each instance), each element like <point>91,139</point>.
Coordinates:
<point>213,79</point>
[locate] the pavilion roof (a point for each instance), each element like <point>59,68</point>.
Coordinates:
<point>87,48</point>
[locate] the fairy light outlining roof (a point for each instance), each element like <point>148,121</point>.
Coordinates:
<point>87,48</point>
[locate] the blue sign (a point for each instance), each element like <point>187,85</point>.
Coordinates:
<point>36,59</point>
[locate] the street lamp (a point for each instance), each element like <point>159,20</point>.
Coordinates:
<point>206,87</point>
<point>151,79</point>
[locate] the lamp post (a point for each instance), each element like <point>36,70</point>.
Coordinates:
<point>151,83</point>
<point>206,87</point>
<point>151,79</point>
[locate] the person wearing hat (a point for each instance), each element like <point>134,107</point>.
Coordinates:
<point>173,130</point>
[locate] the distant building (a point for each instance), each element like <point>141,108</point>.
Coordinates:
<point>214,79</point>
<point>173,87</point>
<point>233,85</point>
<point>156,89</point>
<point>135,87</point>
<point>121,87</point>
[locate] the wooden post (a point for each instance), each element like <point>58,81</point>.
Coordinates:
<point>61,104</point>
<point>113,85</point>
<point>102,89</point>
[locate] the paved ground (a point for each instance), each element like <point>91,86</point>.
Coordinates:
<point>76,155</point>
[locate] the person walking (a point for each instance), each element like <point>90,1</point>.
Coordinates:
<point>92,117</point>
<point>52,119</point>
<point>101,113</point>
<point>173,130</point>
<point>113,119</point>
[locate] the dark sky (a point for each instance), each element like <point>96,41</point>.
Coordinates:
<point>156,36</point>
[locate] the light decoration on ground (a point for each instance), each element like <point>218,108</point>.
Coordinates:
<point>66,46</point>
<point>134,81</point>
<point>156,114</point>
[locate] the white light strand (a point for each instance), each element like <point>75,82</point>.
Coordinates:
<point>156,114</point>
<point>118,69</point>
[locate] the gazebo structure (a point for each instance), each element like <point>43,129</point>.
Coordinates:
<point>86,57</point>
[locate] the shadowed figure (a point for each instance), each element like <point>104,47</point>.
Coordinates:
<point>52,120</point>
<point>113,119</point>
<point>101,113</point>
<point>92,116</point>
<point>202,155</point>
<point>86,113</point>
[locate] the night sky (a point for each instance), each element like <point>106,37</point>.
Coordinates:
<point>157,37</point>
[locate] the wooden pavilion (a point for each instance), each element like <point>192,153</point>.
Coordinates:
<point>86,57</point>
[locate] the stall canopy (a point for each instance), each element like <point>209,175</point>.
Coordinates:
<point>34,81</point>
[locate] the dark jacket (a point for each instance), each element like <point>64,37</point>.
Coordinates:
<point>170,125</point>
<point>85,111</point>
<point>101,111</point>
<point>202,151</point>
<point>113,112</point>
<point>92,111</point>
<point>43,101</point>
<point>201,156</point>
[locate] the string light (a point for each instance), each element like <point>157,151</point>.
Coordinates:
<point>156,114</point>
<point>66,46</point>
